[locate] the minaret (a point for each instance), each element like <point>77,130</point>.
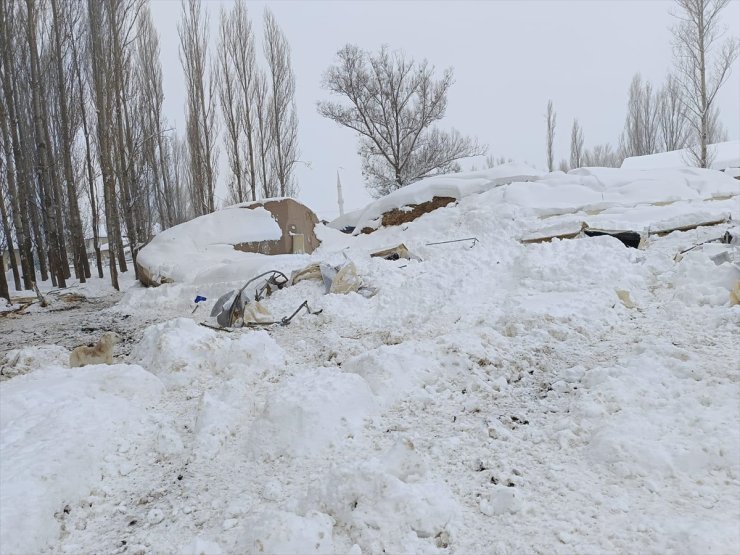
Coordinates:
<point>340,199</point>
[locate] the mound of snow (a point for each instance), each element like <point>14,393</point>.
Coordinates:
<point>56,428</point>
<point>30,359</point>
<point>388,504</point>
<point>396,371</point>
<point>182,352</point>
<point>722,155</point>
<point>310,411</point>
<point>454,185</point>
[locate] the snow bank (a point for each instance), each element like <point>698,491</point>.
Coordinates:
<point>455,185</point>
<point>57,426</point>
<point>182,252</point>
<point>597,189</point>
<point>722,155</point>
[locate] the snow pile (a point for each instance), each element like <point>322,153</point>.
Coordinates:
<point>658,420</point>
<point>697,279</point>
<point>593,190</point>
<point>57,428</point>
<point>389,504</point>
<point>722,156</point>
<point>182,353</point>
<point>22,361</point>
<point>310,411</point>
<point>197,250</point>
<point>454,185</point>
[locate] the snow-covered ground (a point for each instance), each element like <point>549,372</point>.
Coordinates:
<point>567,397</point>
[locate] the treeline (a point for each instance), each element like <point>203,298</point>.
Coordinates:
<point>89,165</point>
<point>682,113</point>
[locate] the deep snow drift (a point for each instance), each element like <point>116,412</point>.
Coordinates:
<point>567,397</point>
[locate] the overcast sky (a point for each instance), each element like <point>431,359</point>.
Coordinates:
<point>509,58</point>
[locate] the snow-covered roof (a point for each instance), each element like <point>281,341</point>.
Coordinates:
<point>455,185</point>
<point>182,251</point>
<point>723,155</point>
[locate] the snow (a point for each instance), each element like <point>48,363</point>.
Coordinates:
<point>203,248</point>
<point>597,189</point>
<point>723,155</point>
<point>60,430</point>
<point>567,397</point>
<point>457,186</point>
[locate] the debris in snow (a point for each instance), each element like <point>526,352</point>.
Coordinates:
<point>344,279</point>
<point>236,309</point>
<point>735,294</point>
<point>473,239</point>
<point>624,296</point>
<point>630,239</point>
<point>394,253</point>
<point>312,271</point>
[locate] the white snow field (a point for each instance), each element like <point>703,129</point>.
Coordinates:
<point>570,397</point>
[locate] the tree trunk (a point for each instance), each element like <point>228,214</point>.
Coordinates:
<point>11,249</point>
<point>82,267</point>
<point>12,142</point>
<point>4,293</point>
<point>43,167</point>
<point>703,161</point>
<point>103,107</point>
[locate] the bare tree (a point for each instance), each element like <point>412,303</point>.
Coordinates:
<point>14,166</point>
<point>64,82</point>
<point>551,119</point>
<point>393,104</point>
<point>493,161</point>
<point>672,117</point>
<point>243,54</point>
<point>232,104</point>
<point>282,118</point>
<point>44,161</point>
<point>640,135</point>
<point>269,185</point>
<point>603,156</point>
<point>149,79</point>
<point>701,73</point>
<point>576,145</point>
<point>102,78</point>
<point>201,122</point>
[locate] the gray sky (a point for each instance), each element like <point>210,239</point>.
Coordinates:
<point>509,58</point>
